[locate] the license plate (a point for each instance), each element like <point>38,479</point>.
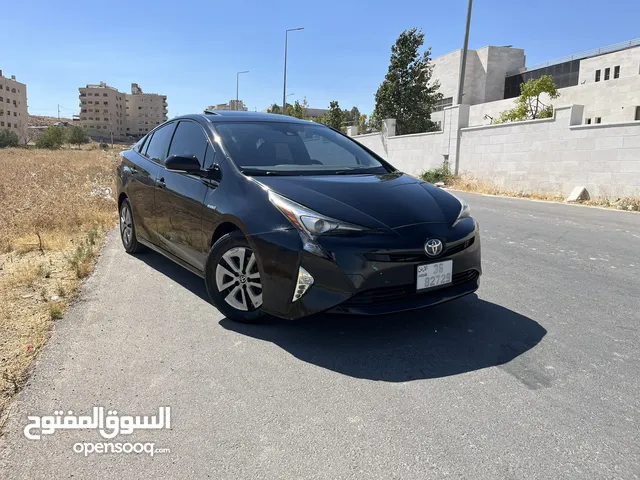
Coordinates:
<point>434,275</point>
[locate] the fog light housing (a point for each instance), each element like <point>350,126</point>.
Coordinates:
<point>305,280</point>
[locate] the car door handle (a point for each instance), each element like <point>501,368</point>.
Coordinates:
<point>161,183</point>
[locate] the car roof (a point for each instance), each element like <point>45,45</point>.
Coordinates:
<point>216,116</point>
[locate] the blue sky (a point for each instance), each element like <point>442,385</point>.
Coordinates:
<point>191,50</point>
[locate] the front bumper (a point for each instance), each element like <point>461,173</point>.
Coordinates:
<point>368,274</point>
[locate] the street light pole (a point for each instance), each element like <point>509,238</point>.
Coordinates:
<point>463,59</point>
<point>237,85</point>
<point>284,86</point>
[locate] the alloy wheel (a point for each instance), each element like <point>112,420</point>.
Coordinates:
<point>238,279</point>
<point>126,226</point>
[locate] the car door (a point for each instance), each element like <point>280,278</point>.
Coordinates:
<point>143,187</point>
<point>180,196</point>
<point>142,174</point>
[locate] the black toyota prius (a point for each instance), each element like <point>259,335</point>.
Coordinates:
<point>289,218</point>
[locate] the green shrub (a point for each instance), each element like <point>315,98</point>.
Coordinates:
<point>77,135</point>
<point>52,138</point>
<point>8,138</point>
<point>440,174</point>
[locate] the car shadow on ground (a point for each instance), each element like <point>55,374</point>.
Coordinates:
<point>175,272</point>
<point>460,336</point>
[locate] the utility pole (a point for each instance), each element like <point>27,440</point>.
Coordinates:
<point>58,112</point>
<point>463,66</point>
<point>237,84</point>
<point>463,57</point>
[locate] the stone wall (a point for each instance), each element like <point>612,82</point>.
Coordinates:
<point>555,155</point>
<point>550,155</point>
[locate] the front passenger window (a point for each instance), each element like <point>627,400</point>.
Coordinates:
<point>189,141</point>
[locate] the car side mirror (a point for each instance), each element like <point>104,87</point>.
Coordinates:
<point>181,163</point>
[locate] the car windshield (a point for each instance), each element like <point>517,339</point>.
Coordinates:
<point>276,148</point>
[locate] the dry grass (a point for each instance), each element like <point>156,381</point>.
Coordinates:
<point>470,184</point>
<point>55,211</point>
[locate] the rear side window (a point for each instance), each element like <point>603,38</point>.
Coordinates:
<point>159,143</point>
<point>139,147</point>
<point>189,140</point>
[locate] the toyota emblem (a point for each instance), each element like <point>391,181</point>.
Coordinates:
<point>433,247</point>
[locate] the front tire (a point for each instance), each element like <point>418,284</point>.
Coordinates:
<point>128,229</point>
<point>233,279</point>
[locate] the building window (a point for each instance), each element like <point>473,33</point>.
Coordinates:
<point>607,73</point>
<point>1,124</point>
<point>587,121</point>
<point>597,75</point>
<point>104,94</point>
<point>442,104</point>
<point>598,119</point>
<point>616,71</point>
<point>106,103</point>
<point>637,113</point>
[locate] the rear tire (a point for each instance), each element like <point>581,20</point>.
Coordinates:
<point>233,281</point>
<point>128,229</point>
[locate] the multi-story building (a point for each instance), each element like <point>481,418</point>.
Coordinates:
<point>232,105</point>
<point>102,111</point>
<point>13,106</point>
<point>606,81</point>
<point>144,111</point>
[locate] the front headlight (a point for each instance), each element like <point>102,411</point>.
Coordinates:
<point>465,210</point>
<point>309,223</point>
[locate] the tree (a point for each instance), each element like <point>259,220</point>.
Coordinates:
<point>354,116</point>
<point>529,106</point>
<point>77,135</point>
<point>297,110</point>
<point>362,123</point>
<point>274,109</point>
<point>52,138</point>
<point>407,92</point>
<point>8,138</point>
<point>334,116</point>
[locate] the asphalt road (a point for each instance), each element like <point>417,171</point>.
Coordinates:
<point>536,377</point>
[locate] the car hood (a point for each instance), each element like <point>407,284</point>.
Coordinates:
<point>391,200</point>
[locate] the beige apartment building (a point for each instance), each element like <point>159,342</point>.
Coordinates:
<point>144,111</point>
<point>232,105</point>
<point>13,106</point>
<point>105,110</point>
<point>102,111</point>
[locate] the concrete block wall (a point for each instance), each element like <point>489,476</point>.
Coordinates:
<point>555,155</point>
<point>418,152</point>
<point>551,155</point>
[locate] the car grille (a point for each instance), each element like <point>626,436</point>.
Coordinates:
<point>417,257</point>
<point>403,293</point>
